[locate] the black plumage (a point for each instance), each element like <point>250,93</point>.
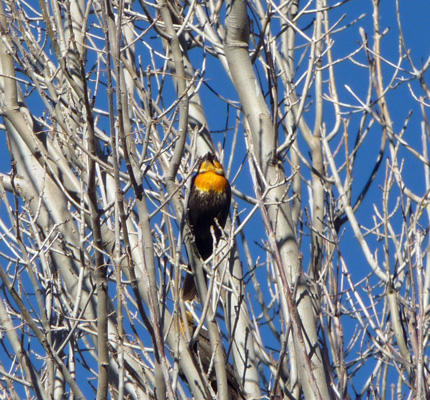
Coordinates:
<point>208,206</point>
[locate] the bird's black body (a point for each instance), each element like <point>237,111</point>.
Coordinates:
<point>203,209</point>
<point>208,206</point>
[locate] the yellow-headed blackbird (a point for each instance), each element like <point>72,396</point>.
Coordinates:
<point>209,201</point>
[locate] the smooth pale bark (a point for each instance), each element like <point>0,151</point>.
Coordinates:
<point>263,137</point>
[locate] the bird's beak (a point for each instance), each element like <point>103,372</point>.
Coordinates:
<point>209,157</point>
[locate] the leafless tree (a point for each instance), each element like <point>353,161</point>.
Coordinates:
<point>320,285</point>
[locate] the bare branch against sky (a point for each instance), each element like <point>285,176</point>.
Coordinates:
<point>318,285</point>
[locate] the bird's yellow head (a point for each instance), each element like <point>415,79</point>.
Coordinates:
<point>210,163</point>
<point>210,175</point>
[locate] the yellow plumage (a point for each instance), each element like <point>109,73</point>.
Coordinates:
<point>211,180</point>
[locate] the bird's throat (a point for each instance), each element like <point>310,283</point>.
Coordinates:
<point>210,181</point>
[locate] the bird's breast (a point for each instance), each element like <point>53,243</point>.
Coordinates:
<point>211,181</point>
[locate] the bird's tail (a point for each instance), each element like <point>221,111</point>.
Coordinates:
<point>189,289</point>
